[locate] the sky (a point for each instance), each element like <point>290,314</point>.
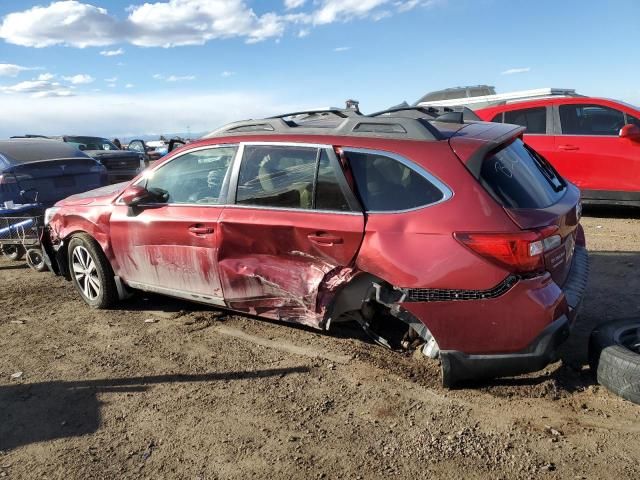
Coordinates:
<point>128,67</point>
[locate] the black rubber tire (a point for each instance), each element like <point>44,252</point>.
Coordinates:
<point>35,260</point>
<point>14,252</point>
<point>108,295</point>
<point>615,366</point>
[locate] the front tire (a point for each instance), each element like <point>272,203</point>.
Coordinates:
<point>91,272</point>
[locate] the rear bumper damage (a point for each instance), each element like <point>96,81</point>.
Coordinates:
<point>459,367</point>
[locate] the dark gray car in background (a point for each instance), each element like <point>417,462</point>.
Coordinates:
<point>121,165</point>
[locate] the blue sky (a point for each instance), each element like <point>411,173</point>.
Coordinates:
<point>200,63</point>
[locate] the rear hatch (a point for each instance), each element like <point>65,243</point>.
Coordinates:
<point>53,180</point>
<point>538,200</point>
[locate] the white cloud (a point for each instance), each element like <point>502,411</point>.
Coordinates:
<point>341,49</point>
<point>135,113</point>
<point>195,22</point>
<point>38,89</point>
<point>304,33</point>
<point>112,53</point>
<point>227,74</point>
<point>290,4</point>
<point>111,80</point>
<point>46,76</point>
<point>172,23</point>
<point>173,78</point>
<point>66,22</point>
<point>11,70</point>
<point>513,71</point>
<point>129,85</point>
<point>80,79</point>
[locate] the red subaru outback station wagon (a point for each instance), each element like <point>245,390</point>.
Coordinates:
<point>593,142</point>
<point>456,228</point>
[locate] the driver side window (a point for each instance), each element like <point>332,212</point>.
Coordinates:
<point>195,177</point>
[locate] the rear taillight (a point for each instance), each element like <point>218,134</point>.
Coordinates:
<point>7,179</point>
<point>521,252</point>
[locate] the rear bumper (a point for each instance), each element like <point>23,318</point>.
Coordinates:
<point>458,366</point>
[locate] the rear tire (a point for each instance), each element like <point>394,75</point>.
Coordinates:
<point>614,357</point>
<point>91,272</point>
<point>14,252</point>
<point>35,260</point>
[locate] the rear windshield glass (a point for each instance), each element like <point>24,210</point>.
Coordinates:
<point>91,143</point>
<point>519,178</point>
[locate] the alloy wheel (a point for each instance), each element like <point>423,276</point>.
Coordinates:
<point>86,273</point>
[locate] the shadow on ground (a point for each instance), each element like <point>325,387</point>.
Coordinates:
<point>37,412</point>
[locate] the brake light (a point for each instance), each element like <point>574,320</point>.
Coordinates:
<point>521,252</point>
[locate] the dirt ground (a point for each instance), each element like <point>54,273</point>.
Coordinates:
<point>166,389</point>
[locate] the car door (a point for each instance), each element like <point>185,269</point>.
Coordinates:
<point>140,147</point>
<point>589,151</point>
<point>172,247</point>
<point>294,226</point>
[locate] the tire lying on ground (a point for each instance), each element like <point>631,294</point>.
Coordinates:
<point>35,260</point>
<point>614,357</point>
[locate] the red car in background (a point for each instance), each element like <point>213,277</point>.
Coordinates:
<point>455,229</point>
<point>593,142</point>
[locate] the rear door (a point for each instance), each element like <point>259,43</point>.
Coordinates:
<point>293,226</point>
<point>590,153</point>
<point>172,248</point>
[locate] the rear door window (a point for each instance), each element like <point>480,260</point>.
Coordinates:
<point>590,120</point>
<point>290,177</point>
<point>386,184</point>
<point>517,177</point>
<point>535,119</point>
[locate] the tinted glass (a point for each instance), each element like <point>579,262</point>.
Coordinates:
<point>276,176</point>
<point>535,119</point>
<point>519,178</point>
<point>329,195</point>
<point>196,177</point>
<point>590,120</point>
<point>497,118</point>
<point>385,184</point>
<point>91,143</point>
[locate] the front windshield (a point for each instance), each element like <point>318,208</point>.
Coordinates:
<point>91,143</point>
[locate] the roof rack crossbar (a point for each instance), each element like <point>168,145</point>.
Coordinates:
<point>343,113</point>
<point>426,110</point>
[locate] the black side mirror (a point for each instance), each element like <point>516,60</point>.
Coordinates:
<point>135,197</point>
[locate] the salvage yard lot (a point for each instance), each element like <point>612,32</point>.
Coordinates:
<point>167,389</point>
